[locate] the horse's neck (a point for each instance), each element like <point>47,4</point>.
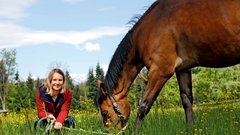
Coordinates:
<point>125,80</point>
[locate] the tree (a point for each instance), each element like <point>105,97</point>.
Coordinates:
<point>2,80</point>
<point>38,83</point>
<point>216,84</point>
<point>99,73</point>
<point>7,69</point>
<point>91,84</point>
<point>83,90</point>
<point>69,81</point>
<point>30,95</point>
<point>30,82</point>
<point>137,88</point>
<point>76,95</point>
<point>19,97</point>
<point>16,78</point>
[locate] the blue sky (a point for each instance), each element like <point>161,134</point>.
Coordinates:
<point>72,34</point>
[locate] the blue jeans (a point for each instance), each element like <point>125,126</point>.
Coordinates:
<point>69,122</point>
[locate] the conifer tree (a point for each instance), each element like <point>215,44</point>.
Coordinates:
<point>69,81</point>
<point>99,72</point>
<point>30,82</point>
<point>91,84</point>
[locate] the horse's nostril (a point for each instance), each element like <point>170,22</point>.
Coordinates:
<point>106,119</point>
<point>107,123</point>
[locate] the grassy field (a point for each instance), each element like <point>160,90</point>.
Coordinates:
<point>210,119</point>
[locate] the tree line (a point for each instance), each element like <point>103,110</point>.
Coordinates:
<point>209,84</point>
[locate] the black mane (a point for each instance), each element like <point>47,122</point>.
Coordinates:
<point>116,63</point>
<point>120,55</point>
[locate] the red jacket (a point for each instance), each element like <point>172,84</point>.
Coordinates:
<point>45,104</point>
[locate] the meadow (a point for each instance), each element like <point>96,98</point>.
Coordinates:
<point>210,119</point>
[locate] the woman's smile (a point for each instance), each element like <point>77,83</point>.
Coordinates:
<point>57,81</point>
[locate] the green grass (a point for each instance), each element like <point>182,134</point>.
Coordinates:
<point>209,120</point>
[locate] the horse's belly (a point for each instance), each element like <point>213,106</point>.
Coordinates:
<point>218,57</point>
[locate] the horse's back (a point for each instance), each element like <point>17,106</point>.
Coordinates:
<point>205,32</point>
<point>212,30</point>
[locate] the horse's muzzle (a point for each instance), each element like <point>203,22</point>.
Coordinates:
<point>120,124</point>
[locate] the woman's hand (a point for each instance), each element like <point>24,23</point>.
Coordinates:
<point>50,117</point>
<point>58,125</point>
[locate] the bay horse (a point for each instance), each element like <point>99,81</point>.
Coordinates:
<point>172,37</point>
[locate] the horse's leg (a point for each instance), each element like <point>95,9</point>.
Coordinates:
<point>155,83</point>
<point>185,85</point>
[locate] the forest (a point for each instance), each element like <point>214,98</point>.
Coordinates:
<point>209,85</point>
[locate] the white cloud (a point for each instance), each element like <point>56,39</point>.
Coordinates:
<point>89,47</point>
<point>14,9</point>
<point>13,36</point>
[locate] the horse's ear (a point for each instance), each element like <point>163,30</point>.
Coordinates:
<point>101,87</point>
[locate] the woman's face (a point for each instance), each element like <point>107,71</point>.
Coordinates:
<point>57,81</point>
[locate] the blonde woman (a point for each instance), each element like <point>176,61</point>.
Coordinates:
<point>53,100</point>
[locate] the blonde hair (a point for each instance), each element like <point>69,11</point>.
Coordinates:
<point>47,83</point>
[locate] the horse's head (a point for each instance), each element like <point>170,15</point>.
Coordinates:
<point>113,112</point>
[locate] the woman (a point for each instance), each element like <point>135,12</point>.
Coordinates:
<point>53,100</point>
